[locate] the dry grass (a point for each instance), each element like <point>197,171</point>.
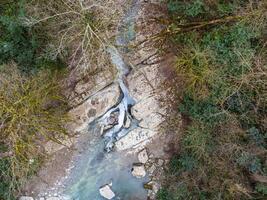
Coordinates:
<point>196,65</point>
<point>31,111</point>
<point>78,30</point>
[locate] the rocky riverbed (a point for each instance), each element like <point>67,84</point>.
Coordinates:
<point>119,148</point>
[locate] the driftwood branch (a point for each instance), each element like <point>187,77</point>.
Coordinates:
<point>183,28</point>
<point>259,178</point>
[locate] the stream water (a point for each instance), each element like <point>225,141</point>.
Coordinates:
<point>97,164</point>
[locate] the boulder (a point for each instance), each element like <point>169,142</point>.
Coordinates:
<point>106,192</point>
<point>142,156</point>
<point>26,198</point>
<point>138,170</point>
<point>152,187</point>
<point>127,123</point>
<point>148,186</point>
<point>151,169</point>
<point>160,162</point>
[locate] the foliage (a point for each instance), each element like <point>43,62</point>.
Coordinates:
<point>19,42</point>
<point>32,110</point>
<point>206,9</point>
<point>190,9</point>
<point>202,110</point>
<point>196,141</point>
<point>196,64</point>
<point>261,188</point>
<point>221,58</point>
<point>184,162</point>
<point>164,194</point>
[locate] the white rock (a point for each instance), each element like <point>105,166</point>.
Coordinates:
<point>142,156</point>
<point>147,106</point>
<point>138,86</point>
<point>151,169</point>
<point>156,187</point>
<point>88,87</point>
<point>152,121</point>
<point>160,162</point>
<point>53,198</point>
<point>26,198</point>
<point>143,87</point>
<point>135,139</point>
<point>127,123</point>
<point>138,170</point>
<point>106,192</point>
<point>94,107</point>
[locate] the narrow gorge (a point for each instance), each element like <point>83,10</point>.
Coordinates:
<point>117,123</point>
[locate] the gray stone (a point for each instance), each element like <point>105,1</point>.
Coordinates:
<point>134,139</point>
<point>156,187</point>
<point>127,123</point>
<point>151,156</point>
<point>53,198</point>
<point>106,192</point>
<point>138,170</point>
<point>26,198</point>
<point>142,156</point>
<point>160,162</point>
<point>153,188</point>
<point>151,169</point>
<point>146,107</point>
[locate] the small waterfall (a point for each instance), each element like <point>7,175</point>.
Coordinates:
<point>93,167</point>
<point>119,130</point>
<point>123,108</point>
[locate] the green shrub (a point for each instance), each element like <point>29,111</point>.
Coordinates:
<point>15,42</point>
<point>196,64</point>
<point>164,194</point>
<point>21,43</point>
<point>250,162</point>
<point>202,8</point>
<point>220,55</point>
<point>184,162</point>
<point>232,48</point>
<point>261,188</point>
<point>190,9</point>
<point>256,137</point>
<point>197,141</point>
<point>181,192</point>
<point>203,111</point>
